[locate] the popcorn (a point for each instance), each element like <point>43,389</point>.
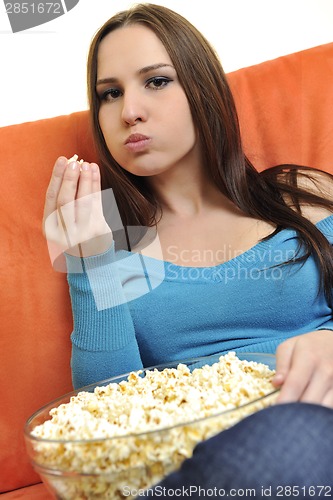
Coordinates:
<point>143,427</point>
<point>74,158</point>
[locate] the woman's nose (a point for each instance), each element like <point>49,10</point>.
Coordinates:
<point>133,108</point>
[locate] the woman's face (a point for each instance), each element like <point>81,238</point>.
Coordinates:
<point>144,113</point>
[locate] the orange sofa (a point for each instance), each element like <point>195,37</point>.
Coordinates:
<point>286,114</point>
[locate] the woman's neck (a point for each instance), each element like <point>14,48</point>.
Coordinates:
<point>188,193</point>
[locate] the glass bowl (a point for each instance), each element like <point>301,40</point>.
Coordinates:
<point>123,465</point>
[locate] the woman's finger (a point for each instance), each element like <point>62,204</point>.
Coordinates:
<point>97,191</point>
<point>293,387</point>
<point>297,379</point>
<point>319,386</point>
<point>53,189</point>
<point>328,399</point>
<point>284,355</point>
<point>83,204</point>
<point>85,182</point>
<point>67,194</point>
<point>96,178</point>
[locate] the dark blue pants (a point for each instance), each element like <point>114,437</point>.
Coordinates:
<point>285,451</point>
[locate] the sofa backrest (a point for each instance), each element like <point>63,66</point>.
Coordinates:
<point>285,109</point>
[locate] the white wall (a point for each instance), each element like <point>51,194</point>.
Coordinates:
<point>43,69</point>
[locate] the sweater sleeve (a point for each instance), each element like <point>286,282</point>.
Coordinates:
<point>326,226</point>
<point>326,326</point>
<point>103,338</point>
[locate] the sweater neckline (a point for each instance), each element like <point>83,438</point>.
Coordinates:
<point>245,259</point>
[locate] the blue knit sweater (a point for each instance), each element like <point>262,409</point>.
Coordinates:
<point>132,311</point>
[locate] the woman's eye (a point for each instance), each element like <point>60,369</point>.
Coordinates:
<point>110,95</point>
<point>157,83</point>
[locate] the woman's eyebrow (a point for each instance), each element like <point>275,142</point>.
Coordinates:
<point>141,71</point>
<point>152,67</point>
<point>101,81</point>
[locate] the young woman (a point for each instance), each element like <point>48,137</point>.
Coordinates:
<point>218,257</point>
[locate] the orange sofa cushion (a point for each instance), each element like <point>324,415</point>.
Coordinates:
<point>33,492</point>
<point>285,108</point>
<point>35,310</point>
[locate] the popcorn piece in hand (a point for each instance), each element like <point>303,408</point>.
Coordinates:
<point>75,158</point>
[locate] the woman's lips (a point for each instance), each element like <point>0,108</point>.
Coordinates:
<point>137,142</point>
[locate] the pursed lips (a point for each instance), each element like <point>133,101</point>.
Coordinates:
<point>137,142</point>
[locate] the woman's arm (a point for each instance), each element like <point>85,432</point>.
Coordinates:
<point>304,368</point>
<point>305,363</point>
<point>103,337</point>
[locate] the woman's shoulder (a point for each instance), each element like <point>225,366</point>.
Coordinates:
<point>319,184</point>
<point>316,214</point>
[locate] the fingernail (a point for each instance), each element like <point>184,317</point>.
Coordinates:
<point>73,165</point>
<point>85,166</point>
<point>62,161</point>
<point>278,379</point>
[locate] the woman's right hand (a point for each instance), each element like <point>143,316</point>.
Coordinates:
<point>73,214</point>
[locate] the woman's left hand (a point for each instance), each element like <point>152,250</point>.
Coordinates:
<point>304,368</point>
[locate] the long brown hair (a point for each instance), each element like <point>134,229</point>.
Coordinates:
<point>261,195</point>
